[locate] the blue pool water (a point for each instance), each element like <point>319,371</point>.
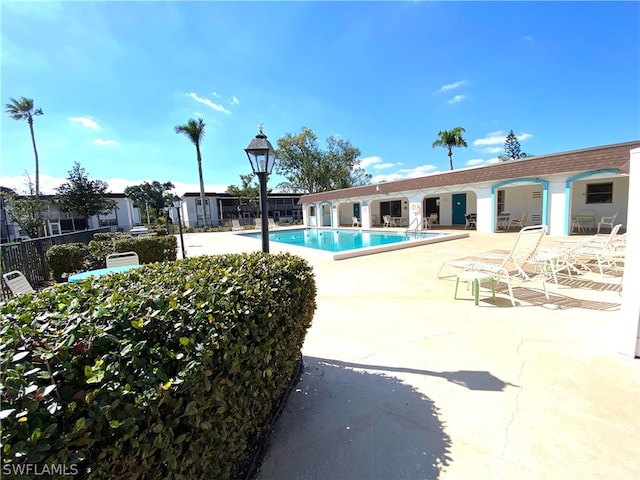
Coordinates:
<point>336,240</point>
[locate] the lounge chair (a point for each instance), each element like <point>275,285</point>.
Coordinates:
<point>17,283</point>
<point>606,251</point>
<point>273,225</point>
<point>355,222</point>
<point>514,265</point>
<point>554,259</point>
<point>122,259</point>
<point>607,221</point>
<point>388,221</point>
<point>235,225</point>
<point>518,222</point>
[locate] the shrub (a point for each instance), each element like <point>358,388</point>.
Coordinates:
<point>167,371</point>
<point>149,249</point>
<point>66,258</point>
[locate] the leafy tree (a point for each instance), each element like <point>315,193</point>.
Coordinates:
<point>450,139</point>
<point>512,148</point>
<point>154,195</point>
<point>27,211</point>
<point>247,193</point>
<point>194,130</point>
<point>22,109</point>
<point>83,196</point>
<point>308,169</point>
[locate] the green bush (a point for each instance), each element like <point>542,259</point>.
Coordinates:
<point>66,258</point>
<point>167,371</point>
<point>149,249</point>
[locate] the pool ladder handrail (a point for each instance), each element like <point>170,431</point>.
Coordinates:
<point>415,229</point>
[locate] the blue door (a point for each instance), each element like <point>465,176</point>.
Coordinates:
<point>459,210</point>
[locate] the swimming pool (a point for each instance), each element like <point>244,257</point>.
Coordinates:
<point>347,243</point>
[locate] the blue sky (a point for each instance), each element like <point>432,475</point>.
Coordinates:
<point>115,78</point>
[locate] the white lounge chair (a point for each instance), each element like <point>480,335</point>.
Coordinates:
<point>355,222</point>
<point>122,259</point>
<point>273,225</point>
<point>388,221</point>
<point>470,220</point>
<point>514,265</point>
<point>17,283</point>
<point>235,225</point>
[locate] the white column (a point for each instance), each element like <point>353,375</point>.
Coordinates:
<point>485,211</point>
<point>557,214</point>
<point>630,311</point>
<point>365,218</point>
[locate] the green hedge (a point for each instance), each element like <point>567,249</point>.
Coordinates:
<point>167,371</point>
<point>75,257</point>
<point>66,258</point>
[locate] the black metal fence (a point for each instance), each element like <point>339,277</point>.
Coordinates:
<point>28,256</point>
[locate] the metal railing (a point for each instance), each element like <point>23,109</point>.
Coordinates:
<point>28,256</point>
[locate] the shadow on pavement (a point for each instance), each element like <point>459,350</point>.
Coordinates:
<point>345,424</point>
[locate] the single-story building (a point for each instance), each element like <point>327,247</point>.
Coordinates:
<point>564,191</point>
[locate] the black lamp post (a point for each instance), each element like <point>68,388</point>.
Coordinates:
<point>262,157</point>
<point>177,203</point>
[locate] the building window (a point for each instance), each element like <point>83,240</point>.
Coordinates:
<point>500,202</point>
<point>392,208</point>
<point>599,193</point>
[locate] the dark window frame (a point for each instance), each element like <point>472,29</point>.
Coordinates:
<point>598,193</point>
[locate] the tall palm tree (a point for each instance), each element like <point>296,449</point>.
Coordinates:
<point>194,130</point>
<point>22,109</point>
<point>450,139</point>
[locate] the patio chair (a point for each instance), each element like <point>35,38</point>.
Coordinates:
<point>272,224</point>
<point>235,225</point>
<point>518,222</point>
<point>503,220</point>
<point>122,259</point>
<point>17,283</point>
<point>513,266</point>
<point>607,221</point>
<point>388,221</point>
<point>470,220</point>
<point>355,222</point>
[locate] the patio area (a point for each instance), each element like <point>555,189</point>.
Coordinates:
<point>403,381</point>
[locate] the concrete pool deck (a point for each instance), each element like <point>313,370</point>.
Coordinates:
<point>403,381</point>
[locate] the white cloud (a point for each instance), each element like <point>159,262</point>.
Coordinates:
<point>86,121</point>
<point>105,143</point>
<point>456,99</point>
<point>419,171</point>
<point>386,178</point>
<point>215,94</point>
<point>451,86</point>
<point>382,166</point>
<point>493,138</point>
<point>117,185</point>
<point>475,161</point>
<point>234,100</point>
<point>48,184</point>
<point>368,161</point>
<point>208,103</point>
<point>493,160</point>
<point>524,136</point>
<point>492,150</point>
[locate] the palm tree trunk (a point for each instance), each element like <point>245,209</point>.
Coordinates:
<point>450,158</point>
<point>202,198</point>
<point>35,151</point>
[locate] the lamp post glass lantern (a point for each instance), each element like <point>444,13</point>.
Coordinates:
<point>177,203</point>
<point>262,157</point>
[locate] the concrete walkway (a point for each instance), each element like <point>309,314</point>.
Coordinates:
<point>403,381</point>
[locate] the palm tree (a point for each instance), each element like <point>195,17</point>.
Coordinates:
<point>194,129</point>
<point>450,139</point>
<point>22,109</point>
